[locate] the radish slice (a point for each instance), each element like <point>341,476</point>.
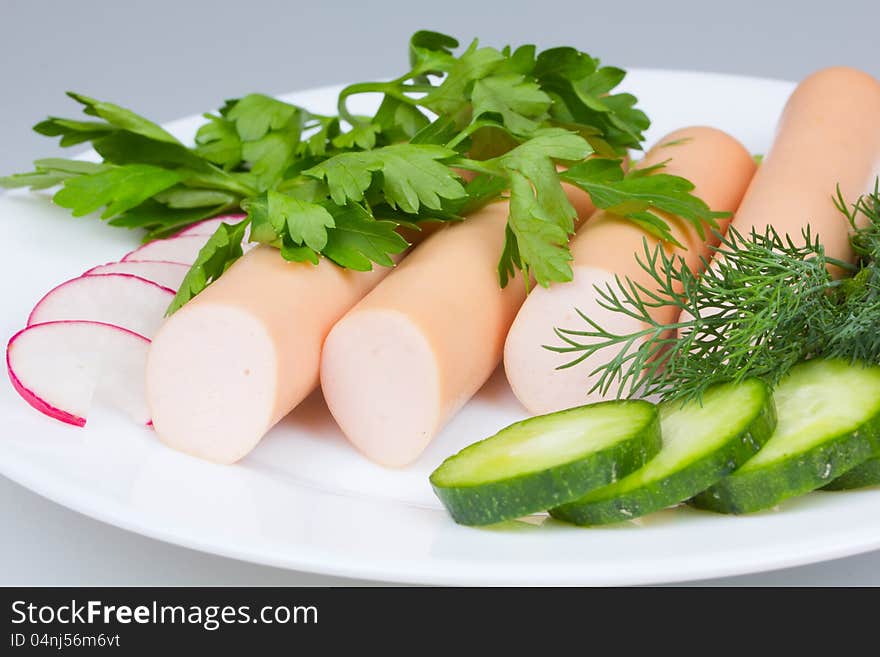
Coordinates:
<point>123,300</point>
<point>183,249</point>
<point>166,274</point>
<point>60,367</point>
<point>207,227</point>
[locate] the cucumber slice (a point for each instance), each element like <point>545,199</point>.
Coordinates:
<point>828,423</point>
<point>702,443</point>
<point>546,461</point>
<point>861,476</point>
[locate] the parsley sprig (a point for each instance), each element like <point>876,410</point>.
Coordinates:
<point>339,186</point>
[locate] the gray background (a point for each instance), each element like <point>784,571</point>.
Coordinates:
<point>168,59</point>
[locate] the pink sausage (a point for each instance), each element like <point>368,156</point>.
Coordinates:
<point>405,359</point>
<point>236,359</point>
<point>605,247</point>
<point>828,135</point>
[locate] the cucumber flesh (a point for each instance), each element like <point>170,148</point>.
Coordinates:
<point>702,442</point>
<point>828,423</point>
<point>547,460</point>
<point>861,476</point>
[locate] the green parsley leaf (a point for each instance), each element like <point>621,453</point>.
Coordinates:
<point>314,185</point>
<point>119,188</point>
<point>123,118</point>
<point>217,141</point>
<point>221,250</point>
<point>181,197</point>
<point>431,52</point>
<point>520,103</point>
<point>541,216</point>
<point>553,143</point>
<point>541,235</point>
<point>626,123</point>
<point>475,63</point>
<point>397,120</point>
<point>510,261</point>
<point>279,219</point>
<point>255,115</point>
<point>269,157</point>
<point>297,252</point>
<point>317,144</point>
<point>161,221</point>
<point>260,131</point>
<point>639,193</point>
<point>49,172</point>
<point>482,190</point>
<point>521,61</point>
<point>564,63</point>
<point>411,176</point>
<point>72,132</point>
<point>439,132</point>
<point>73,167</point>
<point>599,83</point>
<point>358,240</point>
<point>581,93</point>
<point>124,147</point>
<point>362,136</point>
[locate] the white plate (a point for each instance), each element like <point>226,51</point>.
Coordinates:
<point>305,500</point>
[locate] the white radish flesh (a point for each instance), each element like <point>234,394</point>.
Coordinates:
<point>207,227</point>
<point>166,274</point>
<point>182,249</point>
<point>123,300</point>
<point>60,367</point>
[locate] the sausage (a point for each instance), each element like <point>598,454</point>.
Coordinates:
<point>828,135</point>
<point>605,247</point>
<point>236,359</point>
<point>403,361</point>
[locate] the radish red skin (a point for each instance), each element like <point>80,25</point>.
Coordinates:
<point>32,398</point>
<point>107,268</point>
<point>88,272</point>
<point>196,229</point>
<point>137,254</point>
<point>31,321</point>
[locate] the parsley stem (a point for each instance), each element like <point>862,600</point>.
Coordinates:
<point>394,88</point>
<point>221,180</point>
<point>420,88</point>
<point>472,165</point>
<point>464,134</point>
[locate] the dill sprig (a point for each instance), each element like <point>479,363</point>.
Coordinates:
<point>766,302</point>
<point>856,335</point>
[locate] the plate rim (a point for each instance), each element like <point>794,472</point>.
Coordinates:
<point>308,559</point>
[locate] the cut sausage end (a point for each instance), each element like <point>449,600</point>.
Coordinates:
<point>211,380</point>
<point>381,381</point>
<point>532,370</point>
